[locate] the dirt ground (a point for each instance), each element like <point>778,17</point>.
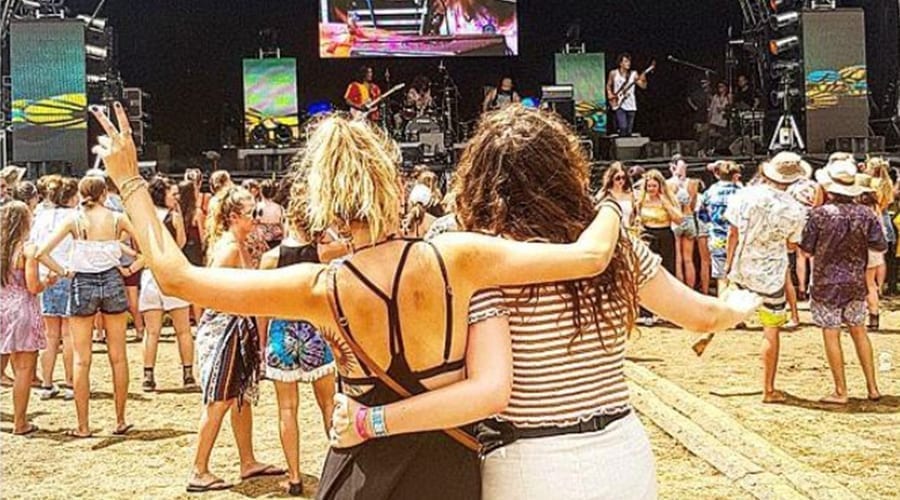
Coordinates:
<point>859,445</point>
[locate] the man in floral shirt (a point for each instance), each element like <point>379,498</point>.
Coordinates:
<point>766,222</point>
<point>839,235</point>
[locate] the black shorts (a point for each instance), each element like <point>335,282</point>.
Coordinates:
<point>97,292</point>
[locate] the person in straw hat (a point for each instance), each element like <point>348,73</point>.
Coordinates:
<point>767,222</point>
<point>839,235</point>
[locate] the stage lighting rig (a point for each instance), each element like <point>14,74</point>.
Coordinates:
<point>784,20</point>
<point>284,136</point>
<point>784,45</point>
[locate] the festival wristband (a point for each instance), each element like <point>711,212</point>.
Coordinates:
<point>361,430</point>
<point>378,425</point>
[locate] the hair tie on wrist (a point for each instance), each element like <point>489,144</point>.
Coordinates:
<point>361,429</point>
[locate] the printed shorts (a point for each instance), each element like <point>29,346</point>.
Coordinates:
<point>97,292</point>
<point>773,313</point>
<point>55,299</point>
<point>851,314</point>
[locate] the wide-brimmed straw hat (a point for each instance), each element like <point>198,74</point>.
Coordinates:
<point>841,177</point>
<point>786,168</point>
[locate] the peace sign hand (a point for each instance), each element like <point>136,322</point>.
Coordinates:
<point>116,148</point>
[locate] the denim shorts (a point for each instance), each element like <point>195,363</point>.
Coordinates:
<point>55,299</point>
<point>98,292</point>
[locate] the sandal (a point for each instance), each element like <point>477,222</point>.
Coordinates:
<point>265,470</point>
<point>214,485</point>
<point>122,429</point>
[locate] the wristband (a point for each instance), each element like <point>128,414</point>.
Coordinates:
<point>361,429</point>
<point>378,425</point>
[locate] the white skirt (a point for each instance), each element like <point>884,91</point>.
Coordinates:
<point>152,299</point>
<point>615,463</point>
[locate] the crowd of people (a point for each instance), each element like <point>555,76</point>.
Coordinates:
<point>438,325</point>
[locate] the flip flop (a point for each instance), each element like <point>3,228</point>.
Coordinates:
<point>74,434</point>
<point>214,485</point>
<point>31,430</point>
<point>121,431</point>
<point>268,470</point>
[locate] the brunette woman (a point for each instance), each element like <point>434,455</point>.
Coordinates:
<point>617,185</point>
<point>394,287</point>
<point>154,304</point>
<point>97,286</point>
<point>271,214</point>
<point>569,410</point>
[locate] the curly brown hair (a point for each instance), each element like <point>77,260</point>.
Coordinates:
<point>525,176</point>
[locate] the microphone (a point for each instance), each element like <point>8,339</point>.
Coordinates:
<point>670,57</point>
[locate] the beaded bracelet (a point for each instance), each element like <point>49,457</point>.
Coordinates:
<point>378,425</point>
<point>133,188</point>
<point>129,181</point>
<point>361,429</point>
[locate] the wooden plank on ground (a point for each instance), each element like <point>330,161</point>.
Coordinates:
<point>746,474</point>
<point>815,484</point>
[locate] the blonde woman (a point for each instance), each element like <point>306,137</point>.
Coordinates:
<point>658,210</point>
<point>883,196</point>
<point>405,302</point>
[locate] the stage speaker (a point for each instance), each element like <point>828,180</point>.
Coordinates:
<point>683,148</point>
<point>564,108</point>
<point>411,153</point>
<point>834,62</point>
<point>656,149</point>
<point>623,148</point>
<point>858,146</point>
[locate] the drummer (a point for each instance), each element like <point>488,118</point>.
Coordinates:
<point>418,97</point>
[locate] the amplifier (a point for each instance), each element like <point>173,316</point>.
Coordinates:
<point>857,145</point>
<point>557,92</point>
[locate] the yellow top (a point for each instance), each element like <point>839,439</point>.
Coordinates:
<point>655,216</point>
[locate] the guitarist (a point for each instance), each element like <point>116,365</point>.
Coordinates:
<point>623,78</point>
<point>363,91</point>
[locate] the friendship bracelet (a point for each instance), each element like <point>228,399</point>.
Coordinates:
<point>361,430</point>
<point>134,188</point>
<point>129,181</point>
<point>378,425</point>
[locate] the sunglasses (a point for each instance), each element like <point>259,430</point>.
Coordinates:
<point>619,178</point>
<point>255,213</point>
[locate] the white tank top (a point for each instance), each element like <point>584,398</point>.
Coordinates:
<point>90,256</point>
<point>629,103</point>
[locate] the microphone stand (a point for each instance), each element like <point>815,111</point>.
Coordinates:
<point>688,64</point>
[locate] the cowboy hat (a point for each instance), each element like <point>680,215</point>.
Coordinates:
<point>786,168</point>
<point>840,177</point>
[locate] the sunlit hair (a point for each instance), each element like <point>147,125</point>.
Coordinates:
<point>296,212</point>
<point>878,168</point>
<point>218,180</point>
<point>664,191</point>
<point>187,201</point>
<point>15,221</point>
<point>609,176</point>
<point>525,175</point>
<point>725,170</point>
<point>228,202</point>
<point>194,175</point>
<point>92,190</point>
<point>48,182</point>
<point>352,177</point>
<point>430,180</point>
<point>60,190</point>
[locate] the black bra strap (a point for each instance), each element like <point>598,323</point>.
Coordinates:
<point>448,303</point>
<point>341,317</point>
<point>397,348</point>
<point>444,368</point>
<point>366,281</point>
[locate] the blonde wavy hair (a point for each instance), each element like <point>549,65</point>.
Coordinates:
<point>229,201</point>
<point>664,191</point>
<point>878,168</point>
<point>352,177</point>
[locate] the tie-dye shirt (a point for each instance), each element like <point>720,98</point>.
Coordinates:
<point>713,203</point>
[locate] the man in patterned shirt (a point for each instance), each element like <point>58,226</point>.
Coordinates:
<point>712,211</point>
<point>767,222</point>
<point>839,235</point>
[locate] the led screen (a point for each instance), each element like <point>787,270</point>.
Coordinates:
<point>47,66</point>
<point>417,28</point>
<point>270,95</point>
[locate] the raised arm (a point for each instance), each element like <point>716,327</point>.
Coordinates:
<point>489,261</point>
<point>297,292</point>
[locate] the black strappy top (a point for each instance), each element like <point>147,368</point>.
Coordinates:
<point>399,368</point>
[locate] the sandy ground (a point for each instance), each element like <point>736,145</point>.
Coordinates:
<point>859,445</point>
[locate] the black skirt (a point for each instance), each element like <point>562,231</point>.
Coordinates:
<point>661,241</point>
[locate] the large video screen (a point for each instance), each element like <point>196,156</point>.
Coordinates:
<point>417,28</point>
<point>270,95</point>
<point>49,101</point>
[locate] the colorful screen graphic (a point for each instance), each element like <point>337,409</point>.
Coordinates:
<point>270,94</point>
<point>418,28</point>
<point>836,86</point>
<point>587,73</point>
<point>47,66</point>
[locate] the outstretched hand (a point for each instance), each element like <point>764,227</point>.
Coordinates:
<point>742,304</point>
<point>116,148</point>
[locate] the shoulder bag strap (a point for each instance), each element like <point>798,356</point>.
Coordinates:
<point>457,434</point>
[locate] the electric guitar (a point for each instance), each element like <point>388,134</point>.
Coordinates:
<point>372,106</point>
<point>616,98</point>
